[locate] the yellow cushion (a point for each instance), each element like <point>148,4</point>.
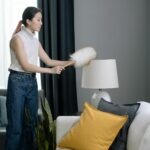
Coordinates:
<point>95,130</point>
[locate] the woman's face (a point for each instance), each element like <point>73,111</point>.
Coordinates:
<point>36,22</point>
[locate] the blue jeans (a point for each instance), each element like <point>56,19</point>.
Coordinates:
<point>22,93</point>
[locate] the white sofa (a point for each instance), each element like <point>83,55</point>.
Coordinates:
<point>138,134</point>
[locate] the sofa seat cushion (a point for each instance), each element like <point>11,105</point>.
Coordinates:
<point>138,132</point>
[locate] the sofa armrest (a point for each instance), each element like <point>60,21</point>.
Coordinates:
<point>145,142</point>
<point>63,124</point>
<point>138,139</point>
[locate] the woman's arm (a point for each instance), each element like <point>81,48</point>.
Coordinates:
<point>50,62</point>
<point>16,45</point>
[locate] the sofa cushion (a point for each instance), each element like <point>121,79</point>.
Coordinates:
<point>95,130</point>
<point>127,109</point>
<point>3,112</point>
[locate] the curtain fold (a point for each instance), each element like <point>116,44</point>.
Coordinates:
<point>57,38</point>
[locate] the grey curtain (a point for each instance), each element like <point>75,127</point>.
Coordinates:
<point>57,38</point>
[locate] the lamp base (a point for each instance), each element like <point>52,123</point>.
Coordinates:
<point>96,97</point>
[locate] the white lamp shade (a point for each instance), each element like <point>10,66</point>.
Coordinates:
<point>100,74</point>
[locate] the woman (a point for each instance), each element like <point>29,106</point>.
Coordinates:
<point>22,85</point>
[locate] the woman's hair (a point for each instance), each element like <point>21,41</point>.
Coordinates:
<point>29,13</point>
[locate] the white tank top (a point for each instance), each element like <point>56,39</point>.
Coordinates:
<point>31,48</point>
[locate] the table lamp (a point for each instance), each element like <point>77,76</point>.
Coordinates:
<point>100,75</point>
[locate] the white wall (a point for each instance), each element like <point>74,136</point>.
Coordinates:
<point>117,29</point>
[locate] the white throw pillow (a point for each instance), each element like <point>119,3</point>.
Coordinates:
<point>138,128</point>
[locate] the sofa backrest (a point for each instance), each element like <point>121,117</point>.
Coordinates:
<point>40,93</point>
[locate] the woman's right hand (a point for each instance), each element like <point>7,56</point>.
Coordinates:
<point>56,70</point>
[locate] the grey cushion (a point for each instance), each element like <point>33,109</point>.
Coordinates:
<point>3,112</point>
<point>125,109</point>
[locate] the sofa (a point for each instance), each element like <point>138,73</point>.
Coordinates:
<point>138,137</point>
<point>3,115</point>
